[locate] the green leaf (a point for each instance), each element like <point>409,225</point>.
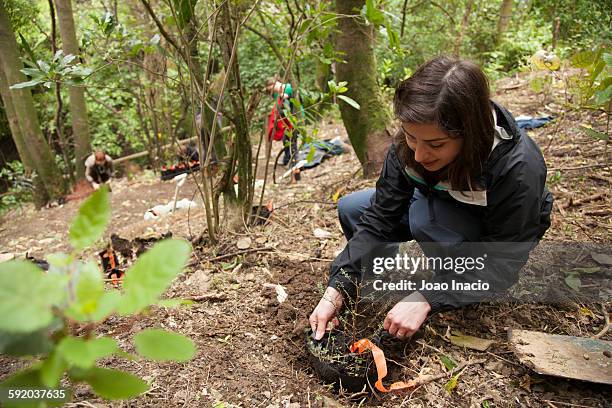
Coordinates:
<point>349,101</point>
<point>106,305</point>
<point>90,223</point>
<point>27,84</point>
<point>89,290</point>
<point>84,353</point>
<point>573,281</point>
<point>27,296</point>
<point>451,384</point>
<point>52,369</point>
<point>115,384</point>
<point>607,57</point>
<point>372,14</point>
<point>583,59</point>
<point>604,96</point>
<point>29,344</point>
<point>161,345</point>
<point>448,362</point>
<point>594,133</point>
<point>152,273</point>
<point>592,269</point>
<point>475,343</point>
<point>27,47</point>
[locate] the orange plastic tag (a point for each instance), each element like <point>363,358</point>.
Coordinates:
<point>364,345</point>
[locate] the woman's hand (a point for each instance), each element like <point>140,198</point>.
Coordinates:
<point>326,310</point>
<point>407,316</point>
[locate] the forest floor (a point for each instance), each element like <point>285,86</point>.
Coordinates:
<point>251,349</point>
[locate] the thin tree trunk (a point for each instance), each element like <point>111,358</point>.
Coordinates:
<point>59,125</point>
<point>505,14</point>
<point>227,37</point>
<point>366,127</point>
<point>464,24</point>
<point>78,107</point>
<point>39,193</point>
<point>30,142</point>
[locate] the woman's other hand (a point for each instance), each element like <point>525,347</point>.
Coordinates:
<point>407,316</point>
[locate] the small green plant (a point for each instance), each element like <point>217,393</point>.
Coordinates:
<point>59,69</point>
<point>51,318</point>
<point>19,185</point>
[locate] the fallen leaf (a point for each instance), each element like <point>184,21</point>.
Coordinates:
<point>281,293</point>
<point>573,281</point>
<point>451,384</point>
<point>448,362</point>
<point>243,243</point>
<point>592,269</point>
<point>321,233</point>
<point>261,240</point>
<point>475,343</point>
<point>602,259</point>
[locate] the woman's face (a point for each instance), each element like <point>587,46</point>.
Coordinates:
<point>433,148</point>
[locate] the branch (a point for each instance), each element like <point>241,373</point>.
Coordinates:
<point>162,31</point>
<point>268,40</point>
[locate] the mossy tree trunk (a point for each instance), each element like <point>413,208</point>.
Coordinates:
<point>242,143</point>
<point>25,128</point>
<point>78,107</point>
<point>366,127</point>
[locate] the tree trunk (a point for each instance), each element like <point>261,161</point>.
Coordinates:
<point>366,127</point>
<point>464,24</point>
<point>505,14</point>
<point>78,108</point>
<point>243,153</point>
<point>25,128</point>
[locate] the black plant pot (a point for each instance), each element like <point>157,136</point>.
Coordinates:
<point>331,372</point>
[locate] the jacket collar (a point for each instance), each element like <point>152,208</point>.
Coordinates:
<point>507,134</point>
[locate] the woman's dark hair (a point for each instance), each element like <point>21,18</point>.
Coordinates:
<point>454,95</point>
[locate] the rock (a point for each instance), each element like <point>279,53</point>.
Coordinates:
<point>243,243</point>
<point>199,281</point>
<point>321,233</point>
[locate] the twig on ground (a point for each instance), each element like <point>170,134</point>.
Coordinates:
<point>241,252</point>
<point>583,200</point>
<point>606,326</point>
<point>209,297</point>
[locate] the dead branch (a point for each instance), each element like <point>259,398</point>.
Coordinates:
<point>584,200</point>
<point>606,326</point>
<point>429,378</point>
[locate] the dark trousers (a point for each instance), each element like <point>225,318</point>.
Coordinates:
<point>453,222</point>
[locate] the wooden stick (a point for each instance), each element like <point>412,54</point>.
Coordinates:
<point>211,297</point>
<point>244,251</point>
<point>606,326</point>
<point>584,200</point>
<point>591,166</point>
<point>429,378</point>
<point>145,152</point>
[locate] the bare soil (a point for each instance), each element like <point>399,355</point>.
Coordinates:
<point>251,350</point>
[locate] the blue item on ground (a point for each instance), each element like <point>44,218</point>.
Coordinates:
<point>323,149</point>
<point>528,122</point>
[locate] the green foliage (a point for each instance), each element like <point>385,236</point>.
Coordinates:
<point>161,345</point>
<point>59,69</point>
<point>38,307</point>
<point>92,219</point>
<point>19,186</point>
<point>151,274</point>
<point>28,296</point>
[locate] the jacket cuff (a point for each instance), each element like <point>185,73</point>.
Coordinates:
<point>344,285</point>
